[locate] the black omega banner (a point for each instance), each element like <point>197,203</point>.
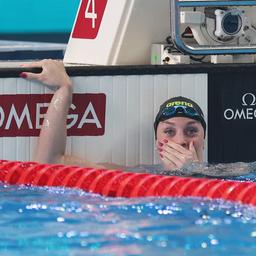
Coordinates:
<point>232,117</point>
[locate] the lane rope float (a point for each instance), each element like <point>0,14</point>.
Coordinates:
<point>119,183</point>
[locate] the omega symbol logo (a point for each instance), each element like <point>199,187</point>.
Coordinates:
<point>249,99</point>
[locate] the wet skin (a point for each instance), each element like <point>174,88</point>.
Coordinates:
<point>180,141</point>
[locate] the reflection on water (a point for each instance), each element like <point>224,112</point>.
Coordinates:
<point>227,170</point>
<point>57,221</point>
<point>237,171</point>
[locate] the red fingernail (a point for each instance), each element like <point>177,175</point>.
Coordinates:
<point>160,150</point>
<point>160,144</point>
<point>165,141</point>
<point>161,156</point>
<point>23,75</point>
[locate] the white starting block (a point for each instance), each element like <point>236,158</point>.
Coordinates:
<point>117,32</point>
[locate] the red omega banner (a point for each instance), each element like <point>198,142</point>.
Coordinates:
<point>89,19</point>
<point>22,115</point>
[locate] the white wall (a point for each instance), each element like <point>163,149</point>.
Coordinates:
<point>132,103</point>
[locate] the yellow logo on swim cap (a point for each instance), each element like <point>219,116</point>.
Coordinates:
<point>179,103</point>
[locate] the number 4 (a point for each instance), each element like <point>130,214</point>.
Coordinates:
<point>91,14</point>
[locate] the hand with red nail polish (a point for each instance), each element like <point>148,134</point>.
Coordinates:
<point>23,75</point>
<point>160,144</point>
<point>53,73</point>
<point>174,156</point>
<point>181,141</point>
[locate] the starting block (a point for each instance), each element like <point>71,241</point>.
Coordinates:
<point>117,32</point>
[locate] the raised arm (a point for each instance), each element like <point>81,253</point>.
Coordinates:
<point>52,140</point>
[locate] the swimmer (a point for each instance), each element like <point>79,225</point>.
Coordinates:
<point>179,125</point>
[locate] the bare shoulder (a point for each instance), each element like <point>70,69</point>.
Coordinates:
<point>77,161</point>
<point>112,166</point>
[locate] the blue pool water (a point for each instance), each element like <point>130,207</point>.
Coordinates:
<point>57,221</point>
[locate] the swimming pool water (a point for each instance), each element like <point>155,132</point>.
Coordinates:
<point>58,221</point>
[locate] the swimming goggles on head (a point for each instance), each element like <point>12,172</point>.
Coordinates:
<point>175,110</point>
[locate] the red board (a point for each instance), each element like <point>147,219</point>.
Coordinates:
<point>22,115</point>
<point>89,19</point>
